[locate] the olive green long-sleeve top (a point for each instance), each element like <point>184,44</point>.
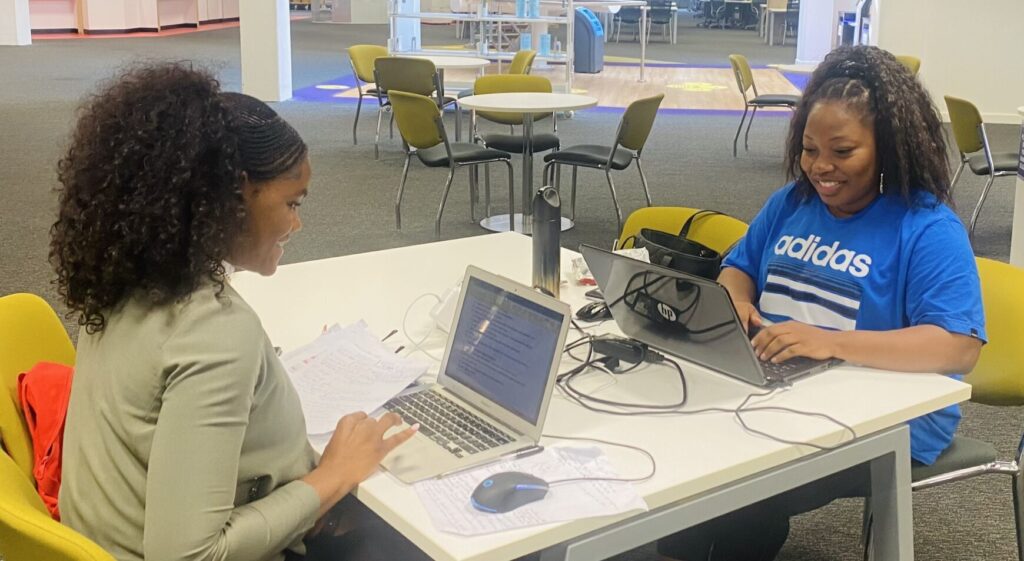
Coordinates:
<point>185,439</point>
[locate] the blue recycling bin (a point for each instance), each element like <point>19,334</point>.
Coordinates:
<point>588,45</point>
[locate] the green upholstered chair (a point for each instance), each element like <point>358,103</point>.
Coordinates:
<point>629,141</point>
<point>522,63</point>
<point>410,75</point>
<point>716,231</point>
<point>975,151</point>
<point>997,379</point>
<point>912,63</point>
<point>361,58</point>
<point>752,100</point>
<point>419,122</point>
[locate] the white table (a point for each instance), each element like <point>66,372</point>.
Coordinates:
<point>443,62</point>
<point>706,464</point>
<point>527,103</point>
<point>1017,232</point>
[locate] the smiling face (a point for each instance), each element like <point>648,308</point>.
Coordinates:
<point>839,157</point>
<point>272,217</point>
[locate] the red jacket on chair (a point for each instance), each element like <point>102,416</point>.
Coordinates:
<point>44,392</point>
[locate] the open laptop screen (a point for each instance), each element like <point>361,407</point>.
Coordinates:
<point>503,347</point>
<point>681,314</point>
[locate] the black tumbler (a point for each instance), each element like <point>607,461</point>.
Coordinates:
<point>547,222</point>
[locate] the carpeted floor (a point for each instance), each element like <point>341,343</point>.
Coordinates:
<point>688,161</point>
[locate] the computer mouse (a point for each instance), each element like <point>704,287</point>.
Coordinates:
<point>508,490</point>
<point>594,311</point>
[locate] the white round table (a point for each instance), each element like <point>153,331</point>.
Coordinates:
<point>527,103</point>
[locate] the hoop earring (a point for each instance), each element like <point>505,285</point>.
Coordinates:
<point>881,183</point>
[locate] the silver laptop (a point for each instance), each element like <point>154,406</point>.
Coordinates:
<point>495,382</point>
<point>687,316</point>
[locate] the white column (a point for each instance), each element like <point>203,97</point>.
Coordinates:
<point>266,49</point>
<point>814,34</point>
<point>1017,233</point>
<point>15,26</point>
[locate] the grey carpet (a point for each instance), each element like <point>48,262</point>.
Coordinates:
<point>350,210</point>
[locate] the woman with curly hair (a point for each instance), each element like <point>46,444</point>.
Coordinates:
<point>184,437</point>
<point>860,258</point>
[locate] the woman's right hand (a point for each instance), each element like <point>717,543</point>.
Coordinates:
<point>749,317</point>
<point>353,453</point>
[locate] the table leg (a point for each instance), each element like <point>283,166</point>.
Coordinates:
<point>893,527</point>
<point>643,40</point>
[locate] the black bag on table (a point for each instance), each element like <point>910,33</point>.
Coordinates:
<point>676,251</point>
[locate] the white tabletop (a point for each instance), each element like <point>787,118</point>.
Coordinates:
<point>1020,110</point>
<point>795,68</point>
<point>527,102</point>
<point>444,61</point>
<point>695,453</point>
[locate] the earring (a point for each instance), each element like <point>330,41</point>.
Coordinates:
<point>881,183</point>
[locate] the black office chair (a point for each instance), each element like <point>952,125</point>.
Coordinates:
<point>661,14</point>
<point>714,14</point>
<point>627,15</point>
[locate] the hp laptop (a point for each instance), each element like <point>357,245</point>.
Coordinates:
<point>687,316</point>
<point>495,382</point>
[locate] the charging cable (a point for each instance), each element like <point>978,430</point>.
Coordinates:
<point>418,345</point>
<point>650,457</point>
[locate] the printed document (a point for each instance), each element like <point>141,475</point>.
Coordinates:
<point>346,369</point>
<point>447,499</point>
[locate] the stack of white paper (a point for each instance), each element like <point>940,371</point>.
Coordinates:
<point>346,369</point>
<point>447,499</point>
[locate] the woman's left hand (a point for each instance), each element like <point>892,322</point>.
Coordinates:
<point>786,340</point>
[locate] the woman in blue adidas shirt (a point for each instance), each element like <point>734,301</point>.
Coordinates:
<point>859,258</point>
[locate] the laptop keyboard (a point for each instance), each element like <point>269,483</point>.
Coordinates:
<point>447,423</point>
<point>782,370</point>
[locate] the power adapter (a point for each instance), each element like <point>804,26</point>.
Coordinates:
<point>618,349</point>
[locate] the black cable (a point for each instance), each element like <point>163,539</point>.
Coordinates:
<point>654,464</point>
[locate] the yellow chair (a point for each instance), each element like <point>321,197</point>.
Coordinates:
<point>30,332</point>
<point>745,82</point>
<point>422,129</point>
<point>506,83</point>
<point>522,62</point>
<point>361,58</point>
<point>970,136</point>
<point>410,75</point>
<point>912,63</point>
<point>717,231</point>
<point>630,138</point>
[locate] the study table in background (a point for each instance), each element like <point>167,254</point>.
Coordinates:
<point>707,465</point>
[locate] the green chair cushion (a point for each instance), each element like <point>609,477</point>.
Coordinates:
<point>591,155</point>
<point>514,142</point>
<point>784,100</point>
<point>1005,162</point>
<point>963,452</point>
<point>462,152</point>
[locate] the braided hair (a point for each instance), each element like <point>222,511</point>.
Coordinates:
<point>151,202</point>
<point>909,140</point>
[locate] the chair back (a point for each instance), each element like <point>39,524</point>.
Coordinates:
<point>744,77</point>
<point>26,530</point>
<point>966,121</point>
<point>30,331</point>
<point>718,232</point>
<point>522,62</point>
<point>362,57</point>
<point>406,74</point>
<point>637,122</point>
<point>506,83</point>
<point>912,63</point>
<point>417,117</point>
<point>998,378</point>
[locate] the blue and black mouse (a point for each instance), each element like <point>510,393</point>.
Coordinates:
<point>507,491</point>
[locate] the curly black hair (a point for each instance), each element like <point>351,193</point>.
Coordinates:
<point>909,139</point>
<point>151,199</point>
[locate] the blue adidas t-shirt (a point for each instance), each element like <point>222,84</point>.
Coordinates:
<point>889,266</point>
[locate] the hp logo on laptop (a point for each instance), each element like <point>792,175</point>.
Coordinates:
<point>666,311</point>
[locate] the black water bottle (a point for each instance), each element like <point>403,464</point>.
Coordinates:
<point>547,221</point>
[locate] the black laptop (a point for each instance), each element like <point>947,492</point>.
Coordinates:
<point>686,316</point>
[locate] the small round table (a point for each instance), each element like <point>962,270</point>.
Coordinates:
<point>529,104</point>
<point>441,62</point>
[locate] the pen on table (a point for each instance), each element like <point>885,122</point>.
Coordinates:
<point>521,453</point>
<point>399,349</point>
<point>388,336</point>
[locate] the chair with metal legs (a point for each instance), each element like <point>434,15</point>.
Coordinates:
<point>971,138</point>
<point>630,138</point>
<point>406,74</point>
<point>745,82</point>
<point>422,130</point>
<point>997,379</point>
<point>521,63</point>
<point>361,58</point>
